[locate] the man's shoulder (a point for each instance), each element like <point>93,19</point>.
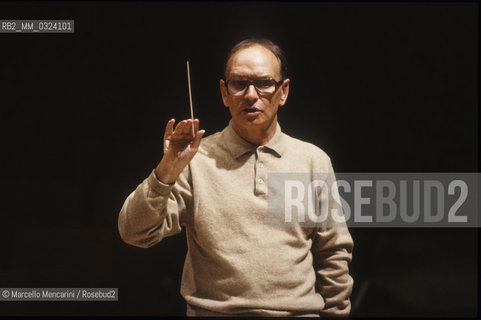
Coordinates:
<point>210,143</point>
<point>211,139</point>
<point>304,148</point>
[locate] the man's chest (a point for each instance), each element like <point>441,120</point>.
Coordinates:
<point>231,202</point>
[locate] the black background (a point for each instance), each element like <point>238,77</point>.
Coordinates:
<point>381,87</point>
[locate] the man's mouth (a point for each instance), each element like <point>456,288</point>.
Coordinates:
<point>251,110</point>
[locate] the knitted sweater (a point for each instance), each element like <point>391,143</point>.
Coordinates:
<point>237,263</point>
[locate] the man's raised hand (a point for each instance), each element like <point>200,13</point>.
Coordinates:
<point>179,149</point>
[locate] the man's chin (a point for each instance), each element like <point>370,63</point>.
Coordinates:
<point>253,121</point>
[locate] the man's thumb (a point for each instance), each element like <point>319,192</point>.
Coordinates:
<point>198,137</point>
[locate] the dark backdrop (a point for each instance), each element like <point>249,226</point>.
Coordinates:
<point>381,87</point>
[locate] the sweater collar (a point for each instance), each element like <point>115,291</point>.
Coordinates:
<point>238,146</point>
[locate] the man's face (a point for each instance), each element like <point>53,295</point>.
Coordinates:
<point>250,110</point>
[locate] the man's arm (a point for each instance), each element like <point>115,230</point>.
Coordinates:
<point>332,252</point>
<point>153,211</point>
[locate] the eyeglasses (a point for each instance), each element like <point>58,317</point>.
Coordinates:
<point>264,86</point>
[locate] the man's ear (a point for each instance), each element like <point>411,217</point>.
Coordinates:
<point>223,92</point>
<point>284,92</point>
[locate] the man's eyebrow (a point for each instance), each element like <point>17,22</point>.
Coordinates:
<point>236,75</point>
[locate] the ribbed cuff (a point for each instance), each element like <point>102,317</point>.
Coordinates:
<point>158,186</point>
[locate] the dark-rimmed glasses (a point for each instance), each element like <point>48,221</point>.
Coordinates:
<point>264,86</point>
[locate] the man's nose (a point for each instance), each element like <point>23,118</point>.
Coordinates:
<point>251,94</point>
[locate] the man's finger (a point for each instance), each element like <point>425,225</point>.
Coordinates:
<point>188,127</point>
<point>169,128</point>
<point>179,128</point>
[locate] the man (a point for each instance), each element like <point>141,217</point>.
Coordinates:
<point>237,263</point>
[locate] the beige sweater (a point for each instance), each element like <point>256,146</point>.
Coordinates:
<point>238,264</point>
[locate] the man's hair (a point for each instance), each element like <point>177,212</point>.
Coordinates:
<point>268,44</point>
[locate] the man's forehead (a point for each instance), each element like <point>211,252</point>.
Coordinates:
<point>254,60</point>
